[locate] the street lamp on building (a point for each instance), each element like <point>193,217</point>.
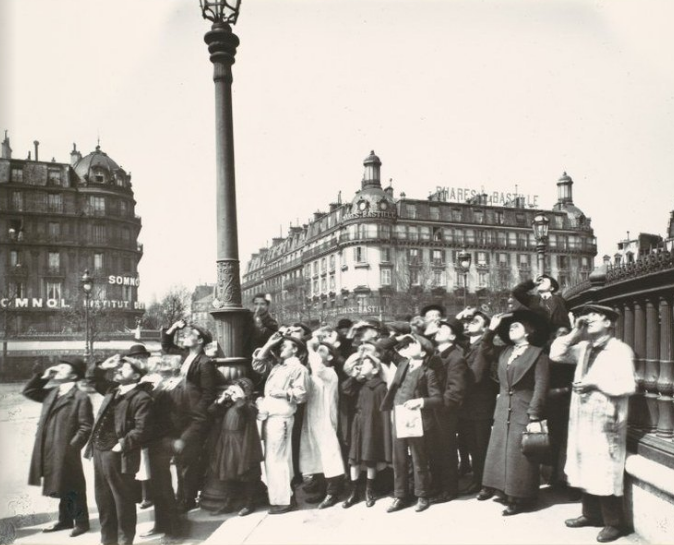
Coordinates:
<point>540,227</point>
<point>87,283</point>
<point>463,261</point>
<point>228,312</point>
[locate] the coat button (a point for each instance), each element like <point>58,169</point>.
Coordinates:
<point>510,393</point>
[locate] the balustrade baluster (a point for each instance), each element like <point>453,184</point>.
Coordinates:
<point>620,323</point>
<point>665,382</point>
<point>652,365</point>
<point>637,333</point>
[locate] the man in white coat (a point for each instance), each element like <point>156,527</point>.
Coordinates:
<point>597,444</point>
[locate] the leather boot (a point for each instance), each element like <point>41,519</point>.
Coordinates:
<point>354,496</point>
<point>370,497</point>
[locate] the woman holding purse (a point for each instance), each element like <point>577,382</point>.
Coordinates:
<point>523,376</point>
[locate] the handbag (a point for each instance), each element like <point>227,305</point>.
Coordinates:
<point>536,444</point>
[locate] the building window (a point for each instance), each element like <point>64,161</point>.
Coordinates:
<point>435,212</point>
<point>563,261</point>
<point>54,230</point>
<point>332,262</point>
<point>361,301</point>
<point>126,234</point>
<point>17,201</point>
<point>520,219</point>
<point>413,256</point>
<point>500,217</point>
<point>315,267</point>
<point>439,278</point>
<point>479,216</point>
<point>17,174</point>
<point>385,277</point>
<point>503,260</point>
<point>126,265</point>
<point>54,261</point>
<point>333,285</point>
<point>324,285</point>
<point>386,254</point>
<point>385,231</point>
<point>438,234</point>
<point>13,258</point>
<point>54,177</point>
<point>413,232</point>
<point>99,233</point>
<point>123,208</point>
<point>127,294</point>
<point>482,259</point>
<point>55,202</point>
<point>324,265</point>
<point>482,279</point>
<point>96,205</point>
<point>456,214</point>
<point>53,290</point>
<point>438,258</point>
<point>584,262</point>
<point>98,262</point>
<point>315,292</point>
<point>359,254</point>
<point>411,210</point>
<point>16,290</point>
<point>524,261</point>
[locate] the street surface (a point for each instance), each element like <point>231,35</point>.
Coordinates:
<point>24,511</point>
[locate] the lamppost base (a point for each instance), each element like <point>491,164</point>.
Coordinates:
<point>231,334</point>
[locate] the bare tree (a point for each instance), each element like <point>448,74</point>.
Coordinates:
<point>173,306</point>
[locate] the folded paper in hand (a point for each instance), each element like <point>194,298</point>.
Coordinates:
<point>408,422</point>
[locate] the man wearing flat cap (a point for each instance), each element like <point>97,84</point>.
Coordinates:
<point>63,429</point>
<point>286,387</point>
<point>543,294</point>
<point>198,369</point>
<point>597,441</point>
<point>122,428</point>
<point>415,386</point>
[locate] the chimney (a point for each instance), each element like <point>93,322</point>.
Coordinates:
<point>564,190</point>
<point>334,206</point>
<point>372,176</point>
<point>75,156</point>
<point>37,145</point>
<point>318,215</point>
<point>6,150</point>
<point>670,226</point>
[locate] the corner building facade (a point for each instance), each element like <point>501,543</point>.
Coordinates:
<point>386,257</point>
<point>59,219</point>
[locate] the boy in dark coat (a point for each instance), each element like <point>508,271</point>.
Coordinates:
<point>64,427</point>
<point>416,387</point>
<point>121,429</point>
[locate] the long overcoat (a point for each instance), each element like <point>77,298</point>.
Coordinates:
<point>63,429</point>
<point>522,393</point>
<point>371,435</point>
<point>597,442</point>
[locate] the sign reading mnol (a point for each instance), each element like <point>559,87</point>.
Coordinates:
<point>40,302</point>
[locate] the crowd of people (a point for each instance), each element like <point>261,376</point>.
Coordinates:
<point>351,412</point>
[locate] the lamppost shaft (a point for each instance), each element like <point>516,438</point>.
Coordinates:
<point>228,312</point>
<point>87,352</point>
<point>540,255</point>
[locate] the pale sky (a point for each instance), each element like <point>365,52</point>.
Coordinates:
<point>492,94</point>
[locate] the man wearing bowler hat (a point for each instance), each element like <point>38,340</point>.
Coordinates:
<point>63,429</point>
<point>597,442</point>
<point>543,294</point>
<point>122,428</point>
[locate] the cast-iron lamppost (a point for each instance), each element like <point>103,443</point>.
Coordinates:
<point>463,260</point>
<point>540,227</point>
<point>87,283</point>
<point>228,312</point>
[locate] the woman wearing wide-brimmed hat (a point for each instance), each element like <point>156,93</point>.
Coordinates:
<point>523,376</point>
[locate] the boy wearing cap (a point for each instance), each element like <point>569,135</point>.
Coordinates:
<point>64,427</point>
<point>263,325</point>
<point>545,297</point>
<point>121,429</point>
<point>416,387</point>
<point>597,441</point>
<point>453,376</point>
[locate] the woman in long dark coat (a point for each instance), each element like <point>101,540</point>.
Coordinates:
<point>523,375</point>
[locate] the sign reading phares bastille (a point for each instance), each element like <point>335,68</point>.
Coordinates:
<point>494,198</point>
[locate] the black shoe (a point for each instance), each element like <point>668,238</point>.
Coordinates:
<point>513,509</point>
<point>370,497</point>
<point>443,497</point>
<point>280,509</point>
<point>397,505</point>
<point>58,526</point>
<point>470,490</point>
<point>328,501</point>
<point>485,494</point>
<point>610,533</point>
<point>581,522</point>
<point>312,485</point>
<point>246,510</point>
<point>353,498</point>
<point>422,505</point>
<point>79,530</point>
